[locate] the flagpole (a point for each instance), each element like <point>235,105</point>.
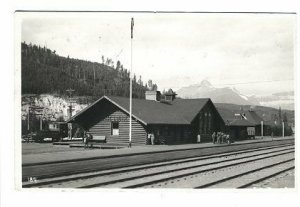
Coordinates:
<point>130,96</point>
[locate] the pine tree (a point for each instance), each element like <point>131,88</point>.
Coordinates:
<point>285,119</point>
<point>279,115</point>
<point>150,85</point>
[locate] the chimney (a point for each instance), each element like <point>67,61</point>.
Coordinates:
<point>152,95</point>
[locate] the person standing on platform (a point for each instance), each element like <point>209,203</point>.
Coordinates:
<point>149,139</point>
<point>152,138</point>
<point>87,137</point>
<point>218,137</point>
<point>222,137</point>
<point>213,138</point>
<point>228,139</point>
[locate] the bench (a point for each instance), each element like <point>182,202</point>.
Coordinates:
<point>98,139</point>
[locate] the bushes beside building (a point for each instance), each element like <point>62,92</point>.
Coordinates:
<point>276,131</point>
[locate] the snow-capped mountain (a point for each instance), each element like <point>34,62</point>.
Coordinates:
<point>218,95</point>
<point>205,89</point>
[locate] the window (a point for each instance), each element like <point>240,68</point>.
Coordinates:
<point>115,128</point>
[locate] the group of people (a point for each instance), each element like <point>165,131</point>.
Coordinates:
<point>220,137</point>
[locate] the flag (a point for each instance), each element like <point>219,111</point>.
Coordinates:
<point>132,24</point>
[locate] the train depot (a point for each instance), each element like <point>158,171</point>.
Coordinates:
<point>167,120</point>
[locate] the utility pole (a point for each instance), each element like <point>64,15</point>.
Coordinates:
<point>70,92</point>
<point>28,118</point>
<point>283,129</point>
<point>262,128</point>
<point>41,122</point>
<point>130,92</point>
<point>94,73</point>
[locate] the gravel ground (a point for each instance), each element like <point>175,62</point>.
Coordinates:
<point>182,182</point>
<point>283,180</point>
<point>38,148</point>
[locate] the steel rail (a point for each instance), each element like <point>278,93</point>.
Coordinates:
<point>161,164</point>
<point>266,177</point>
<point>179,169</point>
<point>143,166</point>
<point>245,173</point>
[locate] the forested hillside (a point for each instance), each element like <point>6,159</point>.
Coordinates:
<point>43,71</point>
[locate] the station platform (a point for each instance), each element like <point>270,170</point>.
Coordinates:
<point>96,153</point>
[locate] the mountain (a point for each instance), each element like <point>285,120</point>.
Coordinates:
<point>205,89</point>
<point>218,95</point>
<point>283,99</point>
<point>43,71</point>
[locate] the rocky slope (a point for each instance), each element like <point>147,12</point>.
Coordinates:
<point>54,107</point>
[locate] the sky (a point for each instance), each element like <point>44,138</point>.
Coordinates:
<point>252,52</point>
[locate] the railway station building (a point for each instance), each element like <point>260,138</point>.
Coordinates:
<point>171,120</point>
<point>243,124</point>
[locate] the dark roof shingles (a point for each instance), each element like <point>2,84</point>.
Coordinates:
<point>241,122</point>
<point>179,111</point>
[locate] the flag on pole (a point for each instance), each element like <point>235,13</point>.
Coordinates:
<point>132,24</point>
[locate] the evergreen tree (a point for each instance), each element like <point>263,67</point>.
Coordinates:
<point>150,85</point>
<point>285,119</point>
<point>43,71</point>
<point>279,115</point>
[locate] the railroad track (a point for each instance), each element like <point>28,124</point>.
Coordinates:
<point>227,169</point>
<point>69,167</point>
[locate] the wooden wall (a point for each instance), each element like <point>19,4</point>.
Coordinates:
<point>99,119</point>
<point>170,133</point>
<point>206,122</point>
<point>100,124</point>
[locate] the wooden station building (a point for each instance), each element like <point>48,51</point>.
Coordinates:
<point>171,120</point>
<point>243,125</point>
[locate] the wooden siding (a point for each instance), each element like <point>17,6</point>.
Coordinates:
<point>171,134</point>
<point>98,120</point>
<point>206,122</point>
<point>102,126</point>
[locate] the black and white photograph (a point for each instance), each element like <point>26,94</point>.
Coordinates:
<point>172,100</point>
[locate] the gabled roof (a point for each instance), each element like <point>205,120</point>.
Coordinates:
<point>229,116</point>
<point>253,117</point>
<point>179,111</point>
<point>226,114</point>
<point>241,122</point>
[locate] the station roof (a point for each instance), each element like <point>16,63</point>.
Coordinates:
<point>241,122</point>
<point>178,111</point>
<point>253,117</point>
<point>229,116</point>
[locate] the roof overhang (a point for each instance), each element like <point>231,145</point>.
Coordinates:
<point>73,118</point>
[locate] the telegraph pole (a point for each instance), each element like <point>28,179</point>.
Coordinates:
<point>70,92</point>
<point>94,73</point>
<point>262,129</point>
<point>28,118</point>
<point>283,129</point>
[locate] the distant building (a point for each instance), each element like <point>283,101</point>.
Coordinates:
<point>170,120</point>
<point>243,124</point>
